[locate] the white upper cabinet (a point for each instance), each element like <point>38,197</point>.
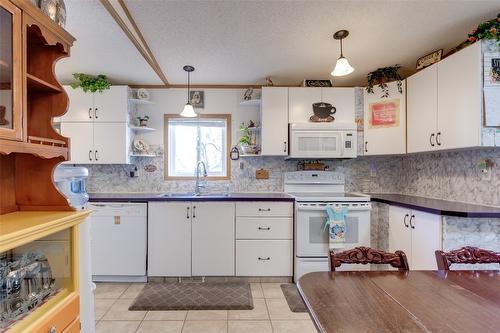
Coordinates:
<point>422,97</point>
<point>274,119</point>
<point>300,101</point>
<point>109,106</point>
<point>460,99</point>
<point>344,102</point>
<point>111,143</point>
<point>112,105</point>
<point>385,121</point>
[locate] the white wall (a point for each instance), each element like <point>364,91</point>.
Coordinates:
<point>217,101</point>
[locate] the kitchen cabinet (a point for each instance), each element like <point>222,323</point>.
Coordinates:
<point>98,143</point>
<point>445,103</point>
<point>416,233</point>
<point>385,121</point>
<point>422,110</point>
<point>191,239</point>
<point>118,240</point>
<point>274,121</point>
<point>109,106</point>
<point>301,99</point>
<point>264,238</point>
<point>212,241</point>
<point>460,99</point>
<point>11,106</point>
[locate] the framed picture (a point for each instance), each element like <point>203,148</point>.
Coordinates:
<point>317,83</point>
<point>197,99</point>
<point>429,59</point>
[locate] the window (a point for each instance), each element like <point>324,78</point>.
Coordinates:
<point>181,140</point>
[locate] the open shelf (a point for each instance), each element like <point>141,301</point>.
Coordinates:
<point>141,101</point>
<point>38,85</point>
<point>143,155</point>
<point>38,149</point>
<point>139,129</point>
<point>250,155</point>
<point>250,102</point>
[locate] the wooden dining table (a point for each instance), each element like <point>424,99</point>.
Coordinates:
<point>394,301</point>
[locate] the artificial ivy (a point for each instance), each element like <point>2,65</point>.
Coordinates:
<point>487,30</point>
<point>90,83</point>
<point>383,75</point>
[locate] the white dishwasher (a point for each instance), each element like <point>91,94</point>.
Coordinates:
<point>118,241</point>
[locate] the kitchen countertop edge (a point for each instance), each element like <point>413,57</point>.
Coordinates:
<point>148,197</point>
<point>437,206</point>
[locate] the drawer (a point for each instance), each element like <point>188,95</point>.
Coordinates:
<point>118,209</point>
<point>62,318</point>
<point>264,257</point>
<point>264,208</point>
<point>74,327</point>
<point>264,228</point>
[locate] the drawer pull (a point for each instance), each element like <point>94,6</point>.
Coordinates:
<point>53,329</point>
<point>264,228</point>
<point>264,209</point>
<point>265,259</point>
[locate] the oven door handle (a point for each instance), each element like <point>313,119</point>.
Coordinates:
<point>322,208</point>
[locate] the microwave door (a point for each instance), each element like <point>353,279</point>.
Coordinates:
<point>316,144</point>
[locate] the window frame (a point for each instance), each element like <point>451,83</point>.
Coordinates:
<point>226,117</point>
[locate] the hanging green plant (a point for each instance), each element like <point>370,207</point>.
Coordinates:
<point>246,137</point>
<point>381,77</point>
<point>487,30</point>
<point>91,83</point>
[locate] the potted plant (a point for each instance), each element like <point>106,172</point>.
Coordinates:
<point>381,77</point>
<point>245,141</point>
<point>143,121</point>
<point>487,30</point>
<point>90,83</point>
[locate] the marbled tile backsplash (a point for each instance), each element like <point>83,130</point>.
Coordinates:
<point>444,175</point>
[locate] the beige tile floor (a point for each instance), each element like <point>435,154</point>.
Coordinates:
<point>270,314</point>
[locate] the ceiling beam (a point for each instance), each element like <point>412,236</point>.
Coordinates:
<point>142,46</point>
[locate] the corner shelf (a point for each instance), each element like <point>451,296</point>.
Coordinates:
<point>139,129</point>
<point>38,85</point>
<point>250,155</point>
<point>250,102</point>
<point>143,155</point>
<point>141,101</point>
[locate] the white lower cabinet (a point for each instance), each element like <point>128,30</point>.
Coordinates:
<point>264,257</point>
<point>191,239</point>
<point>418,234</point>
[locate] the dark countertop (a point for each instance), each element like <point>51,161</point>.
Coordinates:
<point>145,197</point>
<point>436,206</point>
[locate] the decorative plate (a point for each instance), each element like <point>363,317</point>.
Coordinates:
<point>143,94</point>
<point>140,145</point>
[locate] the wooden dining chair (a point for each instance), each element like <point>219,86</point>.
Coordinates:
<point>367,255</point>
<point>466,255</point>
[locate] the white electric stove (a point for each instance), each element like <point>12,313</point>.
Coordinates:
<point>313,192</point>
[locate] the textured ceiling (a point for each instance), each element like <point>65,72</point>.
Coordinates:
<point>242,42</point>
<point>101,47</point>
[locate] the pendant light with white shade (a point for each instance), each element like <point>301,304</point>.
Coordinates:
<point>188,110</point>
<point>342,67</point>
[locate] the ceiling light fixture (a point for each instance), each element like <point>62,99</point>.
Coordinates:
<point>342,66</point>
<point>188,110</point>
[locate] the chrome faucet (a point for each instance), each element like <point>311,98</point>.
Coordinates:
<point>199,184</point>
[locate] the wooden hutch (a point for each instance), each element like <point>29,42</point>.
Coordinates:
<point>31,207</point>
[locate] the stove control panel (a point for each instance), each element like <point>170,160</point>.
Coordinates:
<point>314,177</point>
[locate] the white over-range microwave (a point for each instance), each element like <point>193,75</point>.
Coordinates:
<point>323,140</point>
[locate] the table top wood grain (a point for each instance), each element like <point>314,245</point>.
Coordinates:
<point>393,301</point>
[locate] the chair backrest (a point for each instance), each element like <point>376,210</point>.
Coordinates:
<point>466,255</point>
<point>366,255</point>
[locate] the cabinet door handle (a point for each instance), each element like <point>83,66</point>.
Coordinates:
<point>90,155</point>
<point>404,220</point>
<point>264,228</point>
<point>366,146</point>
<point>264,209</point>
<point>53,329</point>
<point>187,212</point>
<point>284,146</point>
<point>90,113</point>
<point>194,212</point>
<point>95,113</point>
<point>96,156</point>
<point>264,259</point>
<point>438,136</point>
<point>431,141</point>
<point>411,224</point>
